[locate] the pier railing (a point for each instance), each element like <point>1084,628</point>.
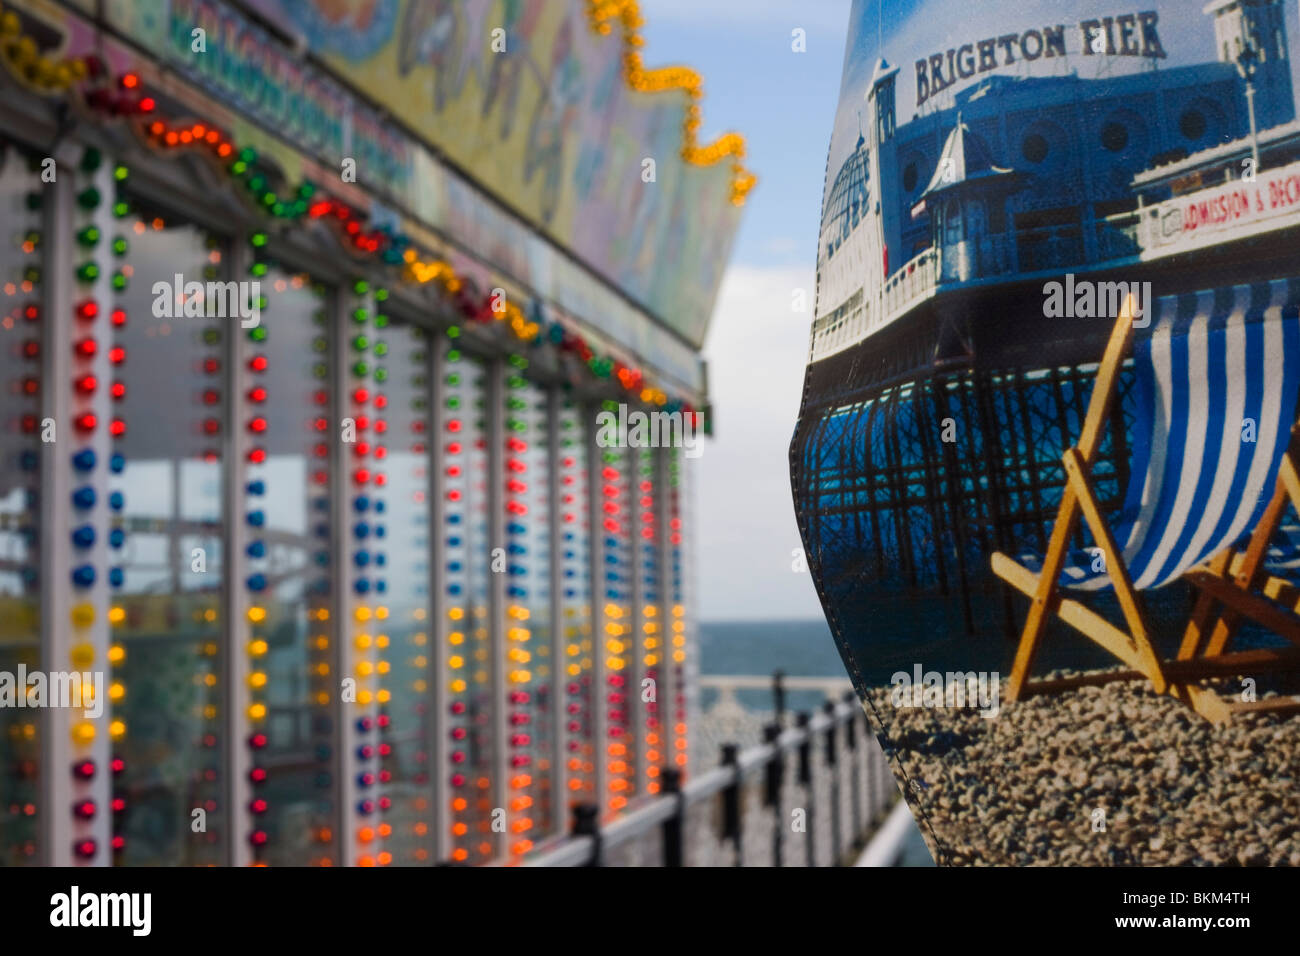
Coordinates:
<point>811,794</point>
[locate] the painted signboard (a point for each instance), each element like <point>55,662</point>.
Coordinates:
<point>532,102</point>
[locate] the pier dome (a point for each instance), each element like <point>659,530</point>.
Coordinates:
<point>846,204</point>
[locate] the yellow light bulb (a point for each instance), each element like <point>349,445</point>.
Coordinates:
<point>83,732</point>
<point>83,615</point>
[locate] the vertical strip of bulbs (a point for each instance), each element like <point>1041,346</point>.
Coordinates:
<point>669,685</point>
<point>490,726</point>
<point>456,390</point>
<point>117,533</point>
<point>24,816</point>
<point>519,667</point>
<point>256,642</point>
<point>360,730</point>
<point>575,597</point>
<point>550,537</point>
<point>207,781</point>
<point>619,639</point>
<point>651,656</point>
<point>84,648</point>
<point>423,846</point>
<point>383,800</point>
<point>676,479</point>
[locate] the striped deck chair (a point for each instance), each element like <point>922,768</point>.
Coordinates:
<point>1213,470</point>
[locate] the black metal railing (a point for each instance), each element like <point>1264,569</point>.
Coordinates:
<point>811,794</point>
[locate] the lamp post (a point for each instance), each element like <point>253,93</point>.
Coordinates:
<point>1247,63</point>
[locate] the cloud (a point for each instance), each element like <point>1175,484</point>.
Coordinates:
<point>757,349</point>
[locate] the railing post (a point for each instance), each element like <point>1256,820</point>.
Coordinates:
<point>778,697</point>
<point>855,792</point>
<point>773,777</point>
<point>586,822</point>
<point>731,799</point>
<point>804,722</point>
<point>672,787</point>
<point>832,767</point>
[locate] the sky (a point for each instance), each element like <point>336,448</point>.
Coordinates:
<point>783,103</point>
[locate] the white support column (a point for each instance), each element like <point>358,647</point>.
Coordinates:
<point>638,775</point>
<point>343,660</point>
<point>599,673</point>
<point>559,641</point>
<point>666,692</point>
<point>496,441</point>
<point>236,754</point>
<point>437,716</point>
<point>75,628</point>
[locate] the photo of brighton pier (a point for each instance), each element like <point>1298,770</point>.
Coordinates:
<point>987,212</point>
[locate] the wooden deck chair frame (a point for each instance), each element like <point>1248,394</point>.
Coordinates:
<point>1232,585</point>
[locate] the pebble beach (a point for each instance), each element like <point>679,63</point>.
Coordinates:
<point>1100,775</point>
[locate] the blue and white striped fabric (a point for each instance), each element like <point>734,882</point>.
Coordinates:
<point>1215,366</point>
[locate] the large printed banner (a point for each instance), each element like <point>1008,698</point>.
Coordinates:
<point>1013,528</point>
<point>523,97</point>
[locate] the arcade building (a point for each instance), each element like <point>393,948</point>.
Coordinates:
<point>298,439</point>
